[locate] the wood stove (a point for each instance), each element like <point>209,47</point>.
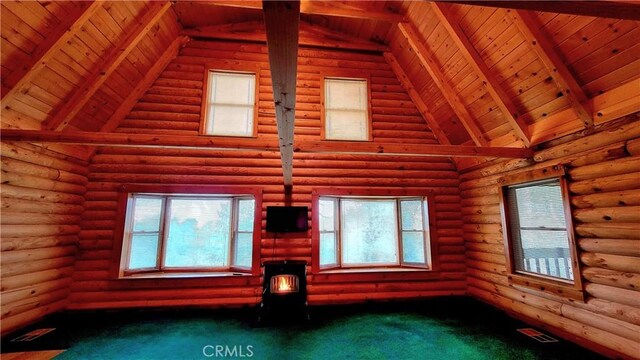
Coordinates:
<point>284,293</point>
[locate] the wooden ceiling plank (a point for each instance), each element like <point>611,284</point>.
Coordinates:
<point>467,49</point>
<point>282,20</point>
<point>629,10</point>
<point>426,60</point>
<point>108,66</point>
<point>417,99</point>
<point>561,75</point>
<point>47,50</point>
<point>145,83</point>
<point>220,143</point>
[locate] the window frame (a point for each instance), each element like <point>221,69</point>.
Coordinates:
<point>431,247</point>
<point>345,75</point>
<point>121,249</point>
<point>566,288</point>
<point>236,68</point>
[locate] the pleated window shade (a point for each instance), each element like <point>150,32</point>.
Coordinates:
<point>230,104</point>
<point>346,109</point>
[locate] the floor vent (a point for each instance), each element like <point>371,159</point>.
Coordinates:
<point>535,334</point>
<point>32,335</point>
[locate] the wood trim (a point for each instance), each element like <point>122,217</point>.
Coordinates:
<point>125,107</point>
<point>282,27</point>
<point>108,66</point>
<point>544,48</point>
<point>220,143</point>
<point>347,75</point>
<point>426,60</point>
<point>417,99</point>
<point>47,50</point>
<point>474,59</point>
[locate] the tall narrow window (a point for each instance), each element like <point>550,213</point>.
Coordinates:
<point>230,105</point>
<point>346,110</point>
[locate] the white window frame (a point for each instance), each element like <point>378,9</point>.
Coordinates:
<point>208,105</point>
<point>325,108</point>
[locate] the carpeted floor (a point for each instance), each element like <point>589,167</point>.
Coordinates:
<point>452,328</point>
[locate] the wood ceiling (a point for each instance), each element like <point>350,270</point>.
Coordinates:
<point>485,76</point>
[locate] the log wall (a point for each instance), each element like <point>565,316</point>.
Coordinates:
<point>42,195</point>
<point>604,182</point>
<point>172,106</point>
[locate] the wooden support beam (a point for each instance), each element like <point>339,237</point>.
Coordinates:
<point>47,50</point>
<point>313,36</point>
<point>108,66</point>
<point>125,107</point>
<point>205,142</point>
<point>561,75</point>
<point>417,99</point>
<point>482,70</point>
<point>282,20</point>
<point>611,9</point>
<point>426,60</point>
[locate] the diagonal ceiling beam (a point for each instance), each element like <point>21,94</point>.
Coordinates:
<point>282,20</point>
<point>477,63</point>
<point>561,75</point>
<point>46,51</point>
<point>611,9</point>
<point>107,67</point>
<point>417,99</point>
<point>145,83</point>
<point>426,60</point>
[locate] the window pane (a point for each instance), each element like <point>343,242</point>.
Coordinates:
<point>246,212</point>
<point>411,211</point>
<point>369,232</point>
<point>539,205</point>
<point>328,249</point>
<point>327,220</point>
<point>198,233</point>
<point>230,120</point>
<point>346,125</point>
<point>244,248</point>
<point>144,251</point>
<point>543,252</point>
<point>231,88</point>
<point>413,247</point>
<point>146,214</point>
<point>346,94</point>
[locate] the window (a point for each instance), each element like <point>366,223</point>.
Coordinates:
<point>373,232</point>
<point>176,232</point>
<point>231,104</point>
<point>346,110</point>
<point>538,227</point>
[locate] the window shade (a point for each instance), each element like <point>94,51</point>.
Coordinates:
<point>230,105</point>
<point>346,109</point>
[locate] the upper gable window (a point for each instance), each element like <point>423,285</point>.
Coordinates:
<point>346,110</point>
<point>230,104</point>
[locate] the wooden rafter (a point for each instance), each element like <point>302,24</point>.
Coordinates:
<point>488,79</point>
<point>426,60</point>
<point>313,36</point>
<point>46,51</point>
<point>553,63</point>
<point>219,143</point>
<point>107,67</point>
<point>612,9</point>
<point>125,107</point>
<point>417,99</point>
<point>282,20</point>
<point>347,9</point>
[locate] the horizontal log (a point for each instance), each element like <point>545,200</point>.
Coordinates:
<point>24,256</point>
<point>18,192</point>
<point>33,302</point>
<point>624,214</point>
<point>20,218</point>
<point>608,230</point>
<point>615,278</point>
<point>598,155</point>
<point>12,231</point>
<point>28,181</point>
<point>608,168</point>
<point>633,146</point>
<point>611,246</point>
<point>613,294</point>
<point>37,242</point>
<point>13,323</point>
<point>32,266</point>
<point>34,290</point>
<point>22,280</point>
<point>19,166</point>
<point>40,207</point>
<point>605,184</point>
<point>612,262</point>
<point>607,199</point>
<point>40,156</point>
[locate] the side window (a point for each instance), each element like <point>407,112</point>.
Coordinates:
<point>346,109</point>
<point>230,104</point>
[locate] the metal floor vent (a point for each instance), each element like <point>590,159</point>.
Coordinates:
<point>537,335</point>
<point>32,335</point>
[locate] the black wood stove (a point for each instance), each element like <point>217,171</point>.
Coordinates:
<point>284,293</point>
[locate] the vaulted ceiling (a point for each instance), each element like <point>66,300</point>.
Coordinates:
<point>480,75</point>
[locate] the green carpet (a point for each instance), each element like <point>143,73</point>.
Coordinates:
<point>454,328</point>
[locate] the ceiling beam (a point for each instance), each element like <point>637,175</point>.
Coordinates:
<point>144,84</point>
<point>346,9</point>
<point>561,75</point>
<point>417,99</point>
<point>47,50</point>
<point>425,57</point>
<point>312,36</point>
<point>107,67</point>
<point>218,143</point>
<point>611,9</point>
<point>282,20</point>
<point>490,82</point>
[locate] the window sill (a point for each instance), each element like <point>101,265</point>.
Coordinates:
<point>184,280</point>
<point>558,288</point>
<point>375,274</point>
<point>183,275</point>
